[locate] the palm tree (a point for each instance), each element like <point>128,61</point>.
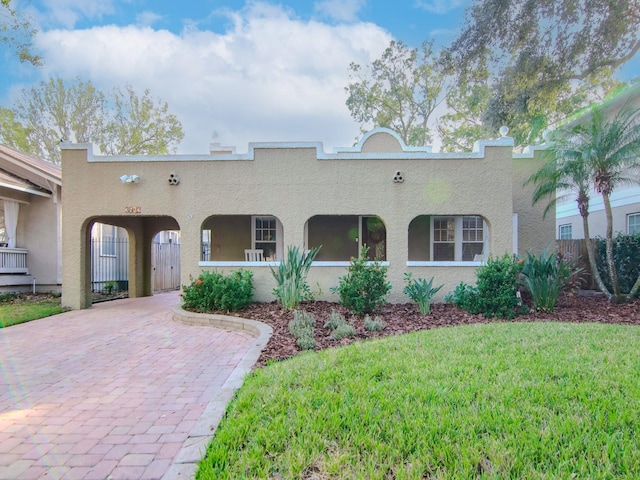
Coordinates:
<point>612,149</point>
<point>566,172</point>
<point>600,155</point>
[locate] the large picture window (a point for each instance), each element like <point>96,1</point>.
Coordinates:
<point>448,238</point>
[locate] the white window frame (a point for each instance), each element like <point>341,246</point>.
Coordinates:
<point>562,231</point>
<point>108,236</point>
<point>458,236</point>
<point>636,218</point>
<point>277,234</point>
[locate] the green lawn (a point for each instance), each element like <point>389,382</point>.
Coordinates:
<point>501,400</point>
<point>13,313</point>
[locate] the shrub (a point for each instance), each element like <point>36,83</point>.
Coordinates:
<point>306,342</point>
<point>291,277</point>
<point>335,320</point>
<point>626,252</point>
<point>496,293</point>
<point>343,331</point>
<point>375,325</point>
<point>364,288</point>
<point>302,324</point>
<point>212,291</point>
<point>421,292</point>
<point>544,277</point>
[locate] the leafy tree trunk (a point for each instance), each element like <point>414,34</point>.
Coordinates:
<point>613,274</point>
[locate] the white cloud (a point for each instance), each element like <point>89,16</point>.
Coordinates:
<point>68,12</point>
<point>147,18</point>
<point>440,6</point>
<point>340,10</point>
<point>270,77</point>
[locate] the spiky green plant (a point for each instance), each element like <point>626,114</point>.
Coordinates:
<point>291,277</point>
<point>421,292</point>
<point>544,276</point>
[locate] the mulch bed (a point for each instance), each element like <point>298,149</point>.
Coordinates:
<point>404,318</point>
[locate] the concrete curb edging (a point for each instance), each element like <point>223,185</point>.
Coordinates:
<point>184,465</point>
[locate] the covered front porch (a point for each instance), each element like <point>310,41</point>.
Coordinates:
<point>30,220</point>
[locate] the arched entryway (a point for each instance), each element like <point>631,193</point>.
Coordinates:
<point>142,231</point>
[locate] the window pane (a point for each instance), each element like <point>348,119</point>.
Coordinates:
<point>470,250</point>
<point>443,251</point>
<point>565,232</point>
<point>634,223</point>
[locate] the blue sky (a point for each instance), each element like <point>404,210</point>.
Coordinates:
<point>233,71</point>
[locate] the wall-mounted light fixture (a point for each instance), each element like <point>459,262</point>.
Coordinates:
<point>130,179</point>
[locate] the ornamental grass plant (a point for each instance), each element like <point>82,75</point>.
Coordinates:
<point>291,277</point>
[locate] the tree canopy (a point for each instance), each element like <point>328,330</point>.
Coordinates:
<point>400,91</point>
<point>120,122</point>
<point>17,33</point>
<point>543,55</point>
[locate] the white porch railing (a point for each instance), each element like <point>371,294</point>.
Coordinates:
<point>13,260</point>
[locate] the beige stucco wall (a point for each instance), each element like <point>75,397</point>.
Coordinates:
<point>293,182</point>
<point>533,230</point>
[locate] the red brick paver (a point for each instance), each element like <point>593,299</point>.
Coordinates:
<point>111,392</point>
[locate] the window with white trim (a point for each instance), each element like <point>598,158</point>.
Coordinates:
<point>108,235</point>
<point>448,238</point>
<point>565,232</point>
<point>265,235</point>
<point>633,223</point>
<point>457,238</point>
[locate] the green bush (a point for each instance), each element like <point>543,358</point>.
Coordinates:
<point>375,325</point>
<point>421,292</point>
<point>343,331</point>
<point>364,288</point>
<point>302,323</point>
<point>496,292</point>
<point>212,291</point>
<point>291,277</point>
<point>626,252</point>
<point>544,277</point>
<point>306,342</point>
<point>335,320</point>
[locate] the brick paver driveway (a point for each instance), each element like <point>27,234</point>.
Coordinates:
<point>112,392</point>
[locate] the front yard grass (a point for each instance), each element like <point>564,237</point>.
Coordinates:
<point>501,400</point>
<point>15,309</point>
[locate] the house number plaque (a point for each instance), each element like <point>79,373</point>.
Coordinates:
<point>132,209</point>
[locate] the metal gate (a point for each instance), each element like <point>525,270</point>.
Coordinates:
<point>109,264</point>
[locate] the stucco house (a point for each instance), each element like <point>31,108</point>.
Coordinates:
<point>30,223</point>
<point>432,214</point>
<point>625,200</point>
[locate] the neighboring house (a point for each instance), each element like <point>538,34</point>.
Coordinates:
<point>30,223</point>
<point>625,200</point>
<point>431,214</point>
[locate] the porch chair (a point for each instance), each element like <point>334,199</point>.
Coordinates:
<point>253,255</point>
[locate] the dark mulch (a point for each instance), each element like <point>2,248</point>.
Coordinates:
<point>403,318</point>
